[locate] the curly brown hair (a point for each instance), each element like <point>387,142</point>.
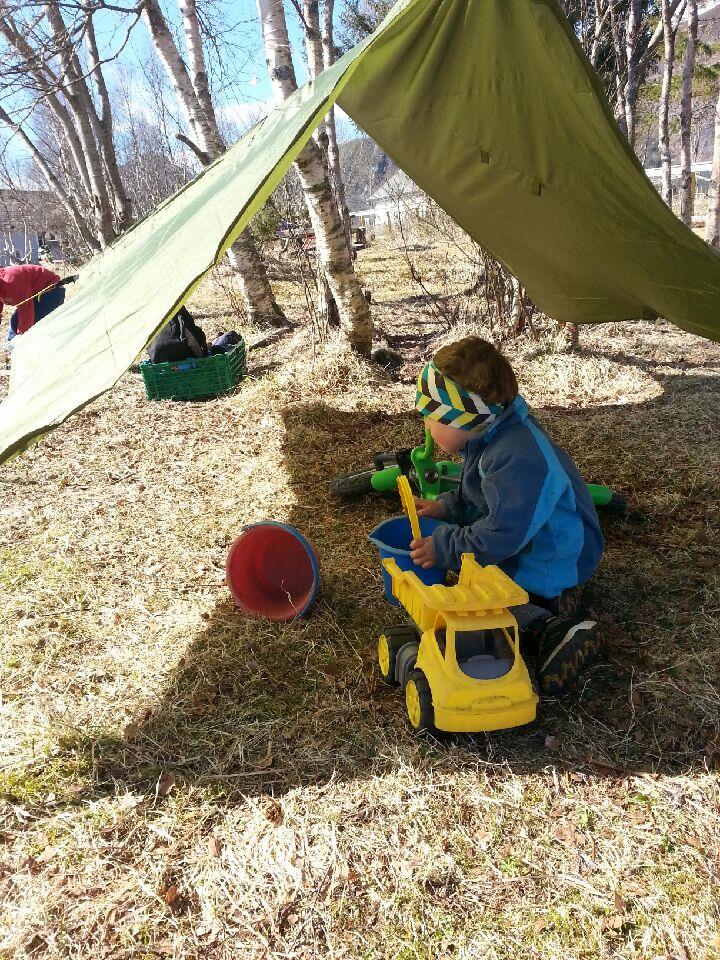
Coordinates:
<point>477,365</point>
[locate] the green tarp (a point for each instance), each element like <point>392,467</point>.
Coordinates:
<point>490,106</point>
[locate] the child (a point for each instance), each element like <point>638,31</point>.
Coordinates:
<point>521,505</point>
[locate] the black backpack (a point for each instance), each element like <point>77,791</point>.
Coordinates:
<point>181,339</point>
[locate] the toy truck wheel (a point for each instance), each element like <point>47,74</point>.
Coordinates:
<point>418,700</point>
<point>389,644</point>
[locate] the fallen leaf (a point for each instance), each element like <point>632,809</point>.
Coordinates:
<point>171,894</point>
<point>165,784</point>
<point>619,903</point>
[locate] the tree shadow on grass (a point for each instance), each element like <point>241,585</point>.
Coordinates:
<point>653,705</point>
<point>260,708</point>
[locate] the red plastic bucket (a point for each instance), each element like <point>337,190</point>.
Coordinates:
<point>272,571</point>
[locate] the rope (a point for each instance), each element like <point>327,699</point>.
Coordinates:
<point>28,299</point>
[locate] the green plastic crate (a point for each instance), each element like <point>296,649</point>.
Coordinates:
<point>204,377</point>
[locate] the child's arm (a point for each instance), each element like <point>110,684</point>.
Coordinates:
<point>521,493</point>
<point>454,506</point>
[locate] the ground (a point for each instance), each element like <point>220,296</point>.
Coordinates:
<point>177,780</point>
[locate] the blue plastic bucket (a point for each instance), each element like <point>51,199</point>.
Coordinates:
<point>392,538</point>
<point>272,571</point>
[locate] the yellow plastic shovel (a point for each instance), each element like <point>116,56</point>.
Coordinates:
<point>408,502</point>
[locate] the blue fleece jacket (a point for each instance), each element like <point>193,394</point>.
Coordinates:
<point>521,505</point>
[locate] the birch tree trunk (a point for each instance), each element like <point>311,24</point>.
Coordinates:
<point>712,217</point>
<point>664,106</point>
<point>686,191</point>
<point>326,307</point>
<point>313,39</point>
<point>332,249</point>
<point>632,84</point>
<point>104,131</point>
<point>193,95</point>
<point>634,51</point>
<point>198,73</point>
<point>602,12</point>
<point>333,149</point>
<point>77,94</point>
<point>80,166</point>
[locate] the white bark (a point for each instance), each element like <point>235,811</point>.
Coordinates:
<point>46,63</point>
<point>602,12</point>
<point>664,106</point>
<point>47,84</point>
<point>78,96</point>
<point>193,95</point>
<point>633,56</point>
<point>313,39</point>
<point>195,117</point>
<point>198,73</point>
<point>686,185</point>
<point>632,83</point>
<point>332,249</point>
<point>333,149</point>
<point>712,218</point>
<point>104,130</point>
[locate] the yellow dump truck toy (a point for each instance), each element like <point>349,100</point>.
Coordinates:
<point>460,666</point>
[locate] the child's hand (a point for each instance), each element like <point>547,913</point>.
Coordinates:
<point>429,508</point>
<point>422,552</point>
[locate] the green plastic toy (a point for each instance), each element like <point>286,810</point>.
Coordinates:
<point>429,478</point>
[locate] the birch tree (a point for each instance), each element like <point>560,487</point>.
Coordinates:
<point>712,217</point>
<point>333,148</point>
<point>332,248</point>
<point>686,192</point>
<point>61,111</point>
<point>664,104</point>
<point>635,40</point>
<point>321,55</point>
<point>192,90</point>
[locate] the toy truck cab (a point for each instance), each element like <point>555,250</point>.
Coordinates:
<point>461,670</point>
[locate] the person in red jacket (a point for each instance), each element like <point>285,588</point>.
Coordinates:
<point>34,290</point>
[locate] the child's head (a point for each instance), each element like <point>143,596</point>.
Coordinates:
<point>463,389</point>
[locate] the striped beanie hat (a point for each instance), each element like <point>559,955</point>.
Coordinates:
<point>440,398</point>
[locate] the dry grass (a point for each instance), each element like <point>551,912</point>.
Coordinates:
<point>178,781</point>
